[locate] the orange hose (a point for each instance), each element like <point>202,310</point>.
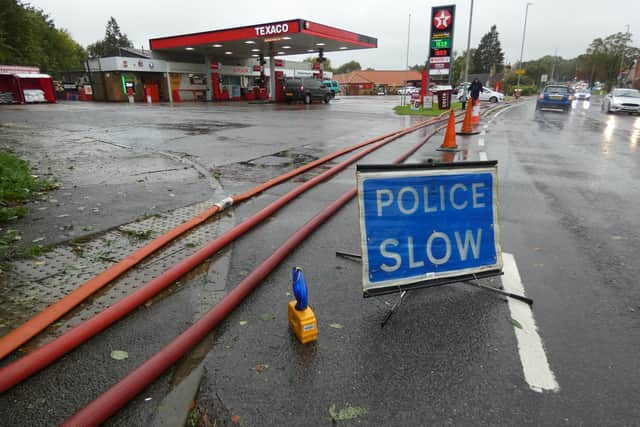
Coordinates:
<point>23,333</point>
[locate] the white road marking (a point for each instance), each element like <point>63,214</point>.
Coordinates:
<point>481,142</point>
<point>483,156</point>
<point>535,365</point>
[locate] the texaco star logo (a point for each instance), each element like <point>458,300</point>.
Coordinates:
<point>442,19</point>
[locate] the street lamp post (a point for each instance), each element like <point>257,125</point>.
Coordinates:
<point>524,31</point>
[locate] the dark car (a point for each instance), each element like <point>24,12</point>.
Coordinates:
<point>306,90</point>
<point>555,97</point>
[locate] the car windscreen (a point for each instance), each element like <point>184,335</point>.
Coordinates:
<point>629,93</point>
<point>557,89</point>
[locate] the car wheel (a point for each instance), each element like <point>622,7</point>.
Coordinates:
<point>307,98</point>
<point>493,99</point>
<point>609,109</point>
<point>327,98</point>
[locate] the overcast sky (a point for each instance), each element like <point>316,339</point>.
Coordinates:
<point>566,25</point>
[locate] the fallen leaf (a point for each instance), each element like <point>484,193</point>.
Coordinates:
<point>40,263</point>
<point>346,413</point>
<point>119,355</point>
<point>336,326</point>
<point>268,316</point>
<point>243,322</point>
<point>260,368</point>
<point>516,323</point>
<point>235,419</point>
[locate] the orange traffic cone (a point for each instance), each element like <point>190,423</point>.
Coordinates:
<point>449,143</point>
<point>475,113</point>
<point>467,128</point>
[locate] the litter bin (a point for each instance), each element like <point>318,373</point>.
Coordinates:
<point>444,99</point>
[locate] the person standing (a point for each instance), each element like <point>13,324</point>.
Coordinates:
<point>475,89</point>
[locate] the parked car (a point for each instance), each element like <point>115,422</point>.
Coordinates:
<point>583,94</point>
<point>486,94</point>
<point>381,91</point>
<point>622,100</point>
<point>555,97</point>
<point>306,90</point>
<point>333,86</point>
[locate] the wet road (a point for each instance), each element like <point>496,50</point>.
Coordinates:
<point>569,197</point>
<point>569,194</point>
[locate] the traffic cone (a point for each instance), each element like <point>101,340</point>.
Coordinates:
<point>467,128</point>
<point>475,112</point>
<point>449,143</point>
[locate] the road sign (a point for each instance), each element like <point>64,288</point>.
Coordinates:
<point>427,224</point>
<point>520,71</point>
<point>543,78</point>
<point>441,37</point>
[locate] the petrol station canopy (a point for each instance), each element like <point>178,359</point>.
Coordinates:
<point>292,37</point>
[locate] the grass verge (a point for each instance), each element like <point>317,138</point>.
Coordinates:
<point>17,186</point>
<point>430,112</point>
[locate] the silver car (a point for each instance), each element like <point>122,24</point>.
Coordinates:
<point>622,100</point>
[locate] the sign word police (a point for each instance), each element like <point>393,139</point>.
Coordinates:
<point>267,30</point>
<point>424,224</point>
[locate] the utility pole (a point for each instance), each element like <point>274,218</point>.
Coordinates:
<point>553,65</point>
<point>466,61</point>
<point>406,70</point>
<point>622,58</point>
<point>524,32</point>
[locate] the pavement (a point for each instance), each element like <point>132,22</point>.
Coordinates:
<point>450,355</point>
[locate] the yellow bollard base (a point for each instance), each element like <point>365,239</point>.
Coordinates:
<point>303,323</point>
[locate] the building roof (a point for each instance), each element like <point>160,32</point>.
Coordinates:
<point>378,77</point>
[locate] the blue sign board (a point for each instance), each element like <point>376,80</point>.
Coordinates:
<point>428,224</point>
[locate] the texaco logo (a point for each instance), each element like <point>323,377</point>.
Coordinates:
<point>442,19</point>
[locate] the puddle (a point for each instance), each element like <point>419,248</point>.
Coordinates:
<point>201,127</point>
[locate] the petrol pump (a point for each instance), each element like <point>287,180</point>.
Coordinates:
<point>279,85</point>
<point>215,81</point>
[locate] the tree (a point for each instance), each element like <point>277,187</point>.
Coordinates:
<point>489,53</point>
<point>29,37</point>
<point>112,42</point>
<point>603,58</point>
<point>348,67</point>
<point>457,69</point>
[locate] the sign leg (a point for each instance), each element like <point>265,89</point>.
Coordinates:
<point>395,306</point>
<point>499,291</point>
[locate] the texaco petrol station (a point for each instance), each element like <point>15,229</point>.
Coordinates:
<point>246,62</point>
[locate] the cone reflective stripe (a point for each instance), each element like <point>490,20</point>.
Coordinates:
<point>449,143</point>
<point>467,128</point>
<point>475,112</point>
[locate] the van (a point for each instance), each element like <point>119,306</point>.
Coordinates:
<point>306,90</point>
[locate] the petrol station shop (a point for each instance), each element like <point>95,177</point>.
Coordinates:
<point>244,63</point>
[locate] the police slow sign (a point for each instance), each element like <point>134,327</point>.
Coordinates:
<point>426,225</point>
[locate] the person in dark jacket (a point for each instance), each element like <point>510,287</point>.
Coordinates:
<point>475,88</point>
